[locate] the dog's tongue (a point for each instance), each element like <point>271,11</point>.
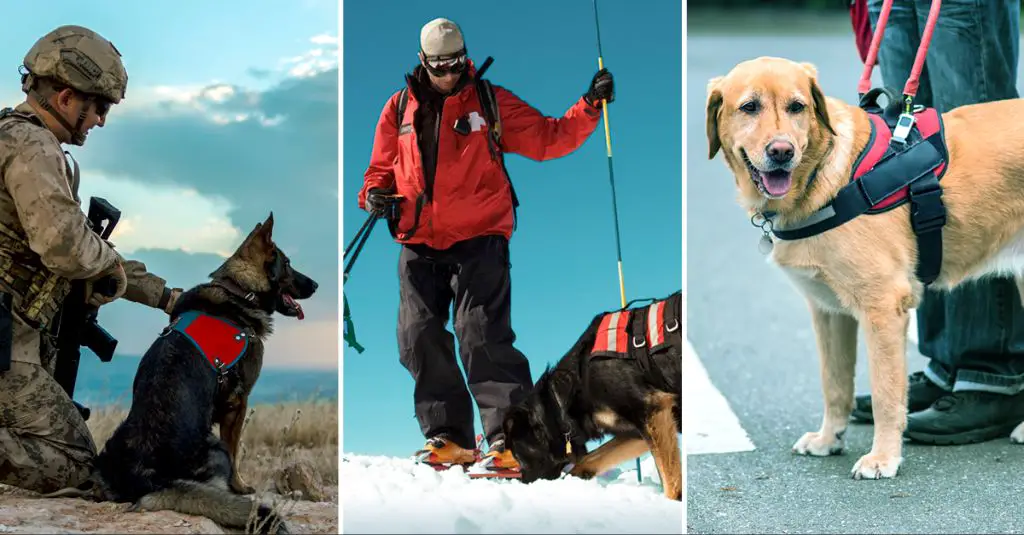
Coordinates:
<point>291,302</point>
<point>777,183</point>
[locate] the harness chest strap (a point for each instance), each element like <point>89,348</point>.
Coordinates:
<point>219,341</point>
<point>887,175</point>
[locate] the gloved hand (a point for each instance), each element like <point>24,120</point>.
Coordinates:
<point>602,87</point>
<point>115,272</point>
<point>380,202</point>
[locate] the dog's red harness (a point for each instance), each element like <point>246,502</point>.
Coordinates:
<point>614,338</point>
<point>221,342</point>
<point>638,333</point>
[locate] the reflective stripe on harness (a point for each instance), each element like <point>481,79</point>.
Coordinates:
<point>888,174</point>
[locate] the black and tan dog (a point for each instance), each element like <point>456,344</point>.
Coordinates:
<point>623,378</point>
<point>165,454</point>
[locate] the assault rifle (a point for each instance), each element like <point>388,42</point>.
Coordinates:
<point>78,325</point>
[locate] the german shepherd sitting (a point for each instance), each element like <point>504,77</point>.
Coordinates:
<point>622,377</point>
<point>165,454</point>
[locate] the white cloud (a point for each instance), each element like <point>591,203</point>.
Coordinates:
<point>232,103</point>
<point>163,217</point>
<point>324,39</point>
<point>317,60</point>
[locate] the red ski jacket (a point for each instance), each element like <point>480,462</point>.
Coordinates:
<point>862,33</point>
<point>471,195</point>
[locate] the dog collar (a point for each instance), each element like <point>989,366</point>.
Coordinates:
<point>236,290</point>
<point>219,341</point>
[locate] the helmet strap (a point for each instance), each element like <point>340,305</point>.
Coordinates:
<point>77,138</point>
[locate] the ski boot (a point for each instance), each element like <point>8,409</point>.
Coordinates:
<point>498,462</point>
<point>441,453</point>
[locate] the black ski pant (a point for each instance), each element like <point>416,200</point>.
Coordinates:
<point>474,276</point>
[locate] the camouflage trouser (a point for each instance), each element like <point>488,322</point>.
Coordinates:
<point>45,444</point>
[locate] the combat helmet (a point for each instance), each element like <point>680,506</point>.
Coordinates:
<point>79,58</point>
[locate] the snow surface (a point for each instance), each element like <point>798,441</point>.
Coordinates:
<point>392,495</point>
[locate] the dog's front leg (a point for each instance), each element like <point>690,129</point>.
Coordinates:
<point>609,455</point>
<point>661,430</point>
<point>231,432</point>
<point>836,335</point>
<point>885,331</point>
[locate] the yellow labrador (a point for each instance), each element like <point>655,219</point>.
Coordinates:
<point>776,129</point>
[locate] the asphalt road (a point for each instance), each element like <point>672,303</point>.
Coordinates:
<point>752,332</point>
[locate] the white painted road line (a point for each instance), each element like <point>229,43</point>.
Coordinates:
<point>709,424</point>
<point>912,328</point>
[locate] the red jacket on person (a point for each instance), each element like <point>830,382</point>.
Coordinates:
<point>471,195</point>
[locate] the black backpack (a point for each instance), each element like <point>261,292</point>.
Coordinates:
<point>489,105</point>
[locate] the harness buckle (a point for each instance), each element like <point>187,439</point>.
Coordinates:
<point>903,127</point>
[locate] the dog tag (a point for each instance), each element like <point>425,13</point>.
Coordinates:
<point>765,245</point>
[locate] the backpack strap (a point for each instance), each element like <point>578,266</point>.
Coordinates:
<point>403,99</point>
<point>489,105</point>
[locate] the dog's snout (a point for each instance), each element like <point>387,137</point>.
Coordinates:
<point>313,284</point>
<point>780,151</point>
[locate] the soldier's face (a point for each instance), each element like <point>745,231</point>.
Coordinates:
<point>71,105</point>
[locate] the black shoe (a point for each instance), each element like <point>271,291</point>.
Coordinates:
<point>966,418</point>
<point>921,394</point>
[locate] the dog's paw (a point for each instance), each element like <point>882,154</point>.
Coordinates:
<point>876,466</point>
<point>814,443</point>
<point>1017,436</point>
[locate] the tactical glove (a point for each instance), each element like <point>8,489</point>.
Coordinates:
<point>97,289</point>
<point>602,87</point>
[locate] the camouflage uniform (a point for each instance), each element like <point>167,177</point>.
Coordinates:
<point>44,238</point>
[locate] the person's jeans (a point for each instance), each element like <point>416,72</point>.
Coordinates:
<point>973,335</point>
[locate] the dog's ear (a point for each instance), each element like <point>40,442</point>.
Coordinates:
<point>517,417</point>
<point>266,231</point>
<point>820,106</point>
<point>268,225</point>
<point>713,105</point>
<point>262,237</point>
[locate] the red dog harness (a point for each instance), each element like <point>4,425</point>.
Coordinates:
<point>890,172</point>
<point>639,332</point>
<point>220,342</point>
<point>613,338</point>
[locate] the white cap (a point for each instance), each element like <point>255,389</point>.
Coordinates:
<point>441,37</point>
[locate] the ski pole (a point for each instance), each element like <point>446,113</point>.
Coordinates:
<point>361,236</point>
<point>611,180</point>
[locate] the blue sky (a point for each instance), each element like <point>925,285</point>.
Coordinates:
<point>563,253</point>
<point>231,112</point>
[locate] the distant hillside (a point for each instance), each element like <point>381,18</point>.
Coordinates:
<point>107,383</point>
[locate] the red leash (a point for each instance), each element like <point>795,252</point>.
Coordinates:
<point>910,89</point>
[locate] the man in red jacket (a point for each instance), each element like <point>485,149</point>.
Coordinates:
<point>452,207</point>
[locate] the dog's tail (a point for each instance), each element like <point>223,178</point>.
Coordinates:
<point>219,505</point>
<point>85,489</point>
<point>69,492</point>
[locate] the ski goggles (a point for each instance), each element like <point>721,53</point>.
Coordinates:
<point>443,65</point>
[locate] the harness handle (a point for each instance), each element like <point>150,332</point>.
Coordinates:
<point>914,80</point>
